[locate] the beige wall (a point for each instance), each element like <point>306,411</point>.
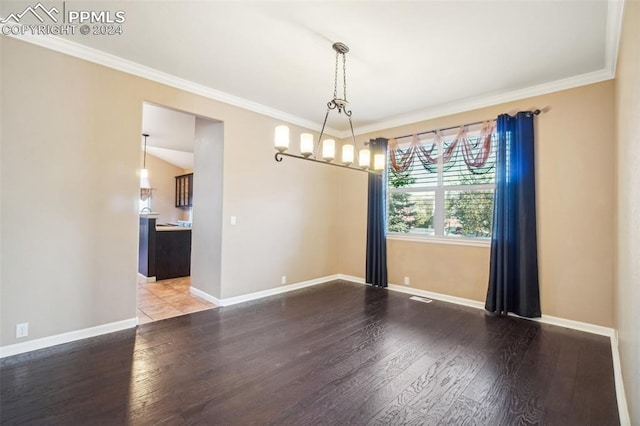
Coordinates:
<point>163,199</point>
<point>76,126</point>
<point>206,246</point>
<point>628,188</point>
<point>70,152</point>
<point>575,199</point>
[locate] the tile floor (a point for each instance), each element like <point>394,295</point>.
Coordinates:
<point>167,299</point>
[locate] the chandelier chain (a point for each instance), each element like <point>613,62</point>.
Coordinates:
<point>335,79</point>
<point>344,77</point>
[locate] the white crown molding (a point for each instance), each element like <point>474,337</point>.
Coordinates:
<point>487,101</point>
<point>58,339</point>
<point>613,29</point>
<point>115,62</point>
<point>615,12</point>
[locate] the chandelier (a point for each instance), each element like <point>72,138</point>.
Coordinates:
<point>308,149</point>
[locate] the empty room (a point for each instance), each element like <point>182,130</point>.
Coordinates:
<point>304,212</point>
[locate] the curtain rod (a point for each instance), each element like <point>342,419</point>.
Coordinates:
<point>534,112</point>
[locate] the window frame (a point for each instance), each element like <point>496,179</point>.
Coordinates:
<point>439,210</point>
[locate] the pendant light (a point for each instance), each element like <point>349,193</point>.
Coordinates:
<point>144,172</point>
<point>145,185</point>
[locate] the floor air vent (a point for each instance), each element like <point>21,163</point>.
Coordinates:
<point>421,299</point>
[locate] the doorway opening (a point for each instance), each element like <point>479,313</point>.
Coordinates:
<point>179,147</point>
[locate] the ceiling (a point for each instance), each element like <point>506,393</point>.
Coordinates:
<point>171,134</point>
<point>408,60</point>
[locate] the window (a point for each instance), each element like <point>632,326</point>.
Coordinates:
<point>442,186</point>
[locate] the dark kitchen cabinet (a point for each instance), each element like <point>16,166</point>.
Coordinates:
<point>184,190</point>
<point>173,254</point>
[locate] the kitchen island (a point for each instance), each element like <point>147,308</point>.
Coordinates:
<point>164,250</point>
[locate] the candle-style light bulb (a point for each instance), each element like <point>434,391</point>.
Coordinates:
<point>282,138</point>
<point>347,154</point>
<point>378,162</point>
<point>306,144</point>
<point>328,149</point>
<point>364,159</point>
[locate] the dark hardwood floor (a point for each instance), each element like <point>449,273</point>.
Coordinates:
<point>333,354</point>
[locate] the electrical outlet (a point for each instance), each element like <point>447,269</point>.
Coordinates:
<point>22,330</point>
<point>407,281</point>
<point>284,279</point>
<point>233,220</point>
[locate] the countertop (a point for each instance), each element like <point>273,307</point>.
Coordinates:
<point>172,228</point>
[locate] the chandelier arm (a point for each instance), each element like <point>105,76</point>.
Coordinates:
<point>322,131</point>
<point>280,155</point>
<point>353,137</point>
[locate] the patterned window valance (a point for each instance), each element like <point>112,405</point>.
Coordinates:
<point>475,151</point>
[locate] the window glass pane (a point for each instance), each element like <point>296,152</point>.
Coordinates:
<point>456,171</point>
<point>433,173</point>
<point>419,173</point>
<point>468,213</point>
<point>411,212</point>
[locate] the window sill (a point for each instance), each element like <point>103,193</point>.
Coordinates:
<point>485,242</point>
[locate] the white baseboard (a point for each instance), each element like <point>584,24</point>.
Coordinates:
<point>575,325</point>
<point>547,319</point>
<point>623,408</point>
<point>58,339</point>
<point>71,336</point>
<point>277,290</point>
<point>437,296</point>
<point>204,295</point>
<point>147,279</point>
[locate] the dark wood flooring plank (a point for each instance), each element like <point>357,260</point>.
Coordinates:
<point>344,368</point>
<point>264,360</point>
<point>487,392</point>
<point>527,388</point>
<point>231,369</point>
<point>337,353</point>
<point>594,392</point>
<point>563,383</point>
<point>428,398</point>
<point>417,357</point>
